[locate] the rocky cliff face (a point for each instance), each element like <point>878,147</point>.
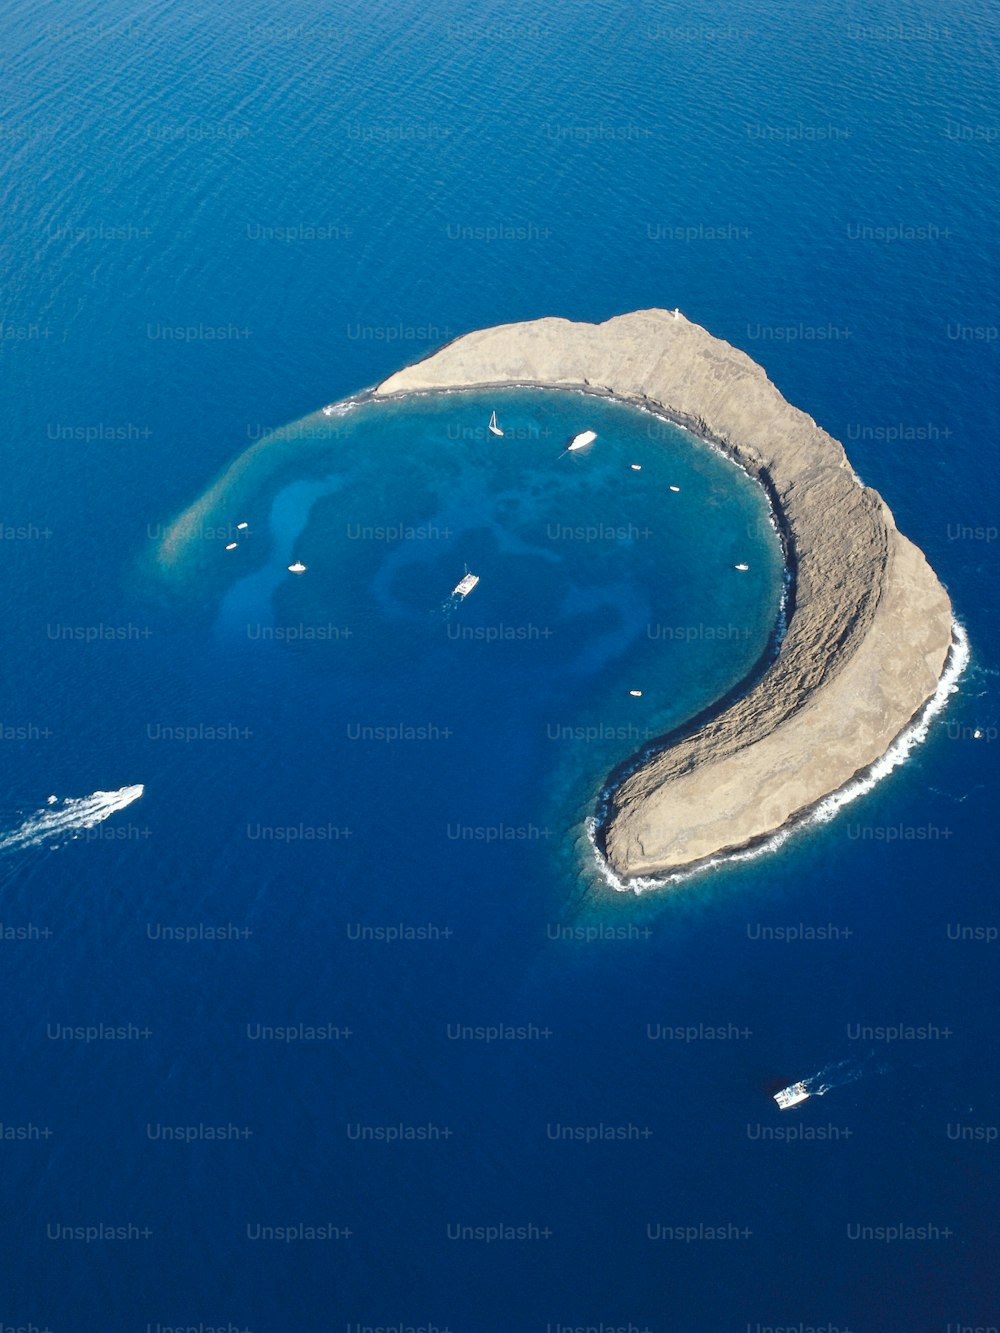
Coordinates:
<point>871,625</point>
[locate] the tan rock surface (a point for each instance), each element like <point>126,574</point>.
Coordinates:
<point>870,629</point>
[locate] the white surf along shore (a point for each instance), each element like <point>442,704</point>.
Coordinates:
<point>870,651</point>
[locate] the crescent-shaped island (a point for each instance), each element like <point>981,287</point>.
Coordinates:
<point>869,626</point>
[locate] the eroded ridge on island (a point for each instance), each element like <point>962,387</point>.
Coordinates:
<point>870,629</point>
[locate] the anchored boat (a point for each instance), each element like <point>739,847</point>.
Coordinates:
<point>494,428</point>
<point>582,440</point>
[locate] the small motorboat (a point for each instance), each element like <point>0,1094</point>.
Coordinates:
<point>297,568</point>
<point>581,441</point>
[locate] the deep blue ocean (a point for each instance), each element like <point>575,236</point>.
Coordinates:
<point>337,1026</point>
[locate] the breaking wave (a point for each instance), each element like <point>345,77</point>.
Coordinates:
<point>68,818</point>
<point>345,405</point>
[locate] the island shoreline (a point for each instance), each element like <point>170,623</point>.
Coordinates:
<point>864,780</point>
<point>864,638</point>
<point>869,630</point>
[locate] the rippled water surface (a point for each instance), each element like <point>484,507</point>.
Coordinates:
<point>330,976</point>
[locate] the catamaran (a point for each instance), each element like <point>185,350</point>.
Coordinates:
<point>792,1095</point>
<point>494,428</point>
<point>465,585</point>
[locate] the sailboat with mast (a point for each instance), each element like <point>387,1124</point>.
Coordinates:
<point>464,585</point>
<point>494,428</point>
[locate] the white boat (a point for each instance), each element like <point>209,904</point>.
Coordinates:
<point>231,546</point>
<point>297,568</point>
<point>242,527</point>
<point>675,488</point>
<point>582,440</point>
<point>743,567</point>
<point>792,1095</point>
<point>494,428</point>
<point>636,694</point>
<point>465,585</point>
<point>636,467</point>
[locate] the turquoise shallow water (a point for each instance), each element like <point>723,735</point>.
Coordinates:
<point>600,571</point>
<point>216,221</point>
<point>610,608</point>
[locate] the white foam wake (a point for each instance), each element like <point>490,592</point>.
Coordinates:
<point>68,818</point>
<point>833,1076</point>
<point>898,752</point>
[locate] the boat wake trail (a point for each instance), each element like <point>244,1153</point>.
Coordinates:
<point>68,818</point>
<point>833,1076</point>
